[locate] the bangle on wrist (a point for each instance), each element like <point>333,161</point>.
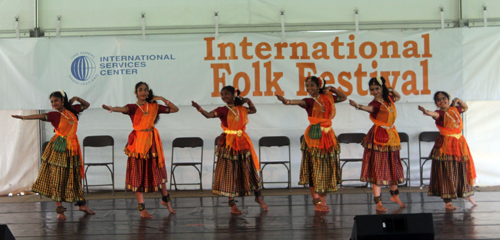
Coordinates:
<point>199,109</point>
<point>288,102</point>
<point>359,107</point>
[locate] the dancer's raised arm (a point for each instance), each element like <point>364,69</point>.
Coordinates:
<point>171,108</point>
<point>115,109</point>
<point>291,102</point>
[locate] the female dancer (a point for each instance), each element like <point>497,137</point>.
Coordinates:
<point>146,170</point>
<point>236,173</point>
<point>381,160</point>
<point>453,172</point>
<point>62,164</point>
<point>320,166</point>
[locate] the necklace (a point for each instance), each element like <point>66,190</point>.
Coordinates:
<point>72,121</point>
<point>383,104</point>
<point>237,115</point>
<point>144,112</point>
<point>322,106</point>
<point>456,122</point>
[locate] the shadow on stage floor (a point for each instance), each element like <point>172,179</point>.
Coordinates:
<point>289,217</point>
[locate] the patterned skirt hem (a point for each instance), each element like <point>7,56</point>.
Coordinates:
<point>452,196</point>
<point>237,194</point>
<point>382,182</point>
<point>57,199</point>
<point>149,189</point>
<point>320,190</point>
<point>436,155</point>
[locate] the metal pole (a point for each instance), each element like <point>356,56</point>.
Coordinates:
<point>36,30</point>
<point>460,14</point>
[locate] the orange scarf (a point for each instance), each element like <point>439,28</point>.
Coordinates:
<point>141,139</point>
<point>385,122</point>
<point>451,130</point>
<point>236,130</point>
<point>68,131</point>
<point>324,119</point>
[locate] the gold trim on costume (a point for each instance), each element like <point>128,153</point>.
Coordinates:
<point>237,132</point>
<point>326,129</point>
<point>457,136</point>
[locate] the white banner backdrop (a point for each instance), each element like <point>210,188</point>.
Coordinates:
<point>194,67</point>
<point>103,69</point>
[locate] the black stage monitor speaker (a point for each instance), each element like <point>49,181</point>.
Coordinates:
<point>5,233</point>
<point>418,226</point>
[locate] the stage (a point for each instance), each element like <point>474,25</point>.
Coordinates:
<point>202,216</point>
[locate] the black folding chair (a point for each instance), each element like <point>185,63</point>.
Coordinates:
<point>406,160</point>
<point>349,138</point>
<point>186,142</point>
<point>425,137</point>
<point>280,141</point>
<point>99,141</point>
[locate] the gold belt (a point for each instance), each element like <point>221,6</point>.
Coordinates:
<point>146,130</point>
<point>237,132</point>
<point>457,136</point>
<point>326,129</point>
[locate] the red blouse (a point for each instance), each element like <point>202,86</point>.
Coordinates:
<point>55,117</point>
<point>376,106</point>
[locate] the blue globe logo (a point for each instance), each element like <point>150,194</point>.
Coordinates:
<point>83,68</point>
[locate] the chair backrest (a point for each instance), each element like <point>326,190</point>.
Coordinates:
<point>351,137</point>
<point>98,141</point>
<point>301,139</point>
<point>187,142</point>
<point>278,141</point>
<point>428,136</point>
<point>216,140</point>
<point>403,137</point>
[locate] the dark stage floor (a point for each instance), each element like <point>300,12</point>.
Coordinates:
<point>289,217</point>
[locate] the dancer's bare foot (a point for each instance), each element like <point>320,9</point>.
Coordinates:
<point>379,207</point>
<point>396,199</point>
<point>145,214</point>
<point>61,216</point>
<point>323,202</point>
<point>320,207</point>
<point>86,210</point>
<point>235,210</point>
<point>168,205</point>
<point>450,206</point>
<point>262,203</point>
<point>471,200</point>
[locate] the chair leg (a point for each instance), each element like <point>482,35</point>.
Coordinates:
<point>289,180</point>
<point>201,181</point>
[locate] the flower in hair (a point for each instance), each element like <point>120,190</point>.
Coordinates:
<point>379,80</point>
<point>62,93</point>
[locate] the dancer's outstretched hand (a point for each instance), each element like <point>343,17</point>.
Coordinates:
<point>353,103</point>
<point>106,107</point>
<point>195,105</point>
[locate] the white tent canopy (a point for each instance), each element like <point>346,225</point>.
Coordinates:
<point>182,59</point>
